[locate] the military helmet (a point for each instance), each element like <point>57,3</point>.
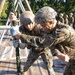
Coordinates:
<point>26,17</point>
<point>71,14</point>
<point>61,14</point>
<point>45,14</point>
<point>66,16</point>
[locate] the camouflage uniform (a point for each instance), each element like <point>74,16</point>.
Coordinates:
<point>34,54</point>
<point>69,46</point>
<point>61,19</point>
<point>70,68</point>
<point>61,37</point>
<point>64,34</point>
<point>66,20</point>
<point>74,21</point>
<point>71,19</point>
<point>63,40</point>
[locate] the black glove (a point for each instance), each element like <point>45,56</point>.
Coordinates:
<point>22,28</point>
<point>36,44</point>
<point>33,43</point>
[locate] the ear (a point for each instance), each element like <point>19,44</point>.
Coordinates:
<point>51,22</point>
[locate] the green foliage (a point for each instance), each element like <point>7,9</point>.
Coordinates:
<point>11,6</point>
<point>69,6</point>
<point>59,6</point>
<point>2,23</point>
<point>4,12</point>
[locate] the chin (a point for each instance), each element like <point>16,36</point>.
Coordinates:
<point>30,29</point>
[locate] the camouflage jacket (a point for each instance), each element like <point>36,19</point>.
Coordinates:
<point>70,67</point>
<point>29,36</point>
<point>65,39</point>
<point>35,31</point>
<point>71,20</point>
<point>62,38</point>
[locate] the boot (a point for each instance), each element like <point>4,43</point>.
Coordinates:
<point>24,73</point>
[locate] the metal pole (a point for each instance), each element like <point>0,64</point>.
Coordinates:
<point>2,2</point>
<point>5,27</point>
<point>18,61</point>
<point>27,5</point>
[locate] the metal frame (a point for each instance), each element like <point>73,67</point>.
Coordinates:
<point>6,28</point>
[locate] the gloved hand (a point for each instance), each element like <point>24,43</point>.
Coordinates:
<point>36,45</point>
<point>14,30</point>
<point>22,29</point>
<point>15,43</point>
<point>22,45</point>
<point>33,43</point>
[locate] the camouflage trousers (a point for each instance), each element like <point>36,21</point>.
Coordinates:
<point>70,68</point>
<point>46,56</point>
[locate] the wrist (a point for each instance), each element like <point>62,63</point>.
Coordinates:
<point>22,45</point>
<point>17,36</point>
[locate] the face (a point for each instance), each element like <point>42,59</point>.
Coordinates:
<point>12,16</point>
<point>30,26</point>
<point>48,26</point>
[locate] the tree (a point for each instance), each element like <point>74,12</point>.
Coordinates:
<point>69,6</point>
<point>11,6</point>
<point>2,2</point>
<point>4,13</point>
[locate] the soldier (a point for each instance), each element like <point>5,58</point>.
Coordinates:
<point>61,19</point>
<point>64,34</point>
<point>70,67</point>
<point>66,19</point>
<point>71,19</point>
<point>28,25</point>
<point>74,20</point>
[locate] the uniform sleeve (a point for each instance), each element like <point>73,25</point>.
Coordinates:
<point>70,67</point>
<point>55,52</point>
<point>62,35</point>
